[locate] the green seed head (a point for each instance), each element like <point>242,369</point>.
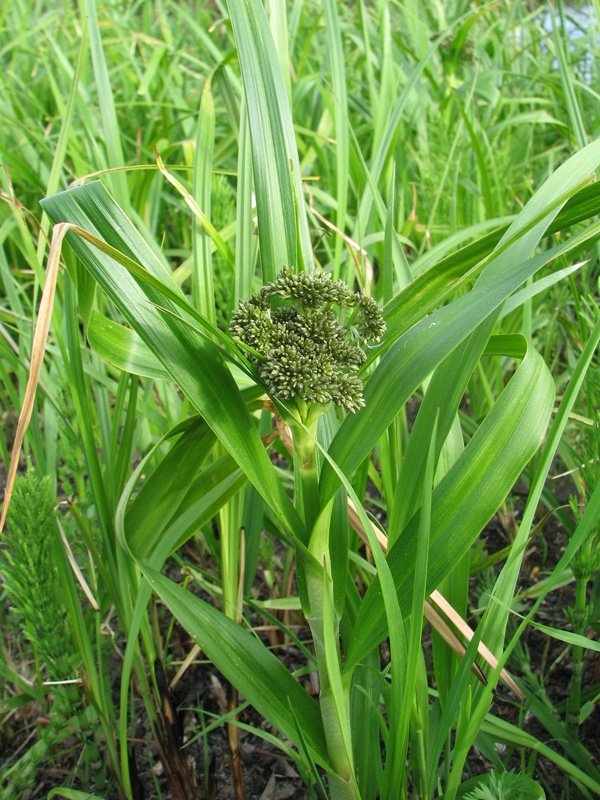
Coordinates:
<point>308,332</point>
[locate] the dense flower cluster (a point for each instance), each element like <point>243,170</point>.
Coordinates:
<point>307,332</point>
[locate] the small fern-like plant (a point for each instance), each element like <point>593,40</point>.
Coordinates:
<point>28,565</point>
<point>506,786</point>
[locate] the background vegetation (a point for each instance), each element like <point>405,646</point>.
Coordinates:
<point>438,157</point>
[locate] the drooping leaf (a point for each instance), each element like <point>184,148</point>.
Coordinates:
<point>122,347</point>
<point>192,360</point>
<point>250,666</point>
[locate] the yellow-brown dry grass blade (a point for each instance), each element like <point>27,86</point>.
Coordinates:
<point>436,621</point>
<point>191,203</point>
<point>85,587</point>
<point>40,338</point>
<point>452,614</point>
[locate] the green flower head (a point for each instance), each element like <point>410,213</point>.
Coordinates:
<point>306,332</point>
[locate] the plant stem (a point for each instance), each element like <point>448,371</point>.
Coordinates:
<point>579,617</point>
<point>232,558</point>
<point>342,784</point>
<point>306,470</point>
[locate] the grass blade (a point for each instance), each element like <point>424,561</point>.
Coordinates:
<point>283,227</point>
<point>470,493</point>
<point>180,350</point>
<point>247,663</point>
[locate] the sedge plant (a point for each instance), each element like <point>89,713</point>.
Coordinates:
<point>306,335</point>
<point>166,512</point>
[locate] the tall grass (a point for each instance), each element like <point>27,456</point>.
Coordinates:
<point>440,160</point>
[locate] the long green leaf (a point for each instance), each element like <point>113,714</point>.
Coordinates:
<point>202,273</point>
<point>417,352</point>
<point>340,106</point>
<point>248,664</point>
<point>122,347</point>
<point>163,492</point>
<point>469,494</point>
<point>110,123</point>
<point>283,225</point>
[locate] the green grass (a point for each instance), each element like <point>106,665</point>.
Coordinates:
<point>439,158</point>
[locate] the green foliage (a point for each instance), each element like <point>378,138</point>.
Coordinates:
<point>223,207</point>
<point>34,587</point>
<point>31,577</point>
<point>506,786</point>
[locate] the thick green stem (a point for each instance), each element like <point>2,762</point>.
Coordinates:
<point>342,784</point>
<point>307,484</point>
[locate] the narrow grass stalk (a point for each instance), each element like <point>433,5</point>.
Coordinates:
<point>580,617</point>
<point>340,105</point>
<point>202,275</point>
<point>110,124</point>
<point>232,578</point>
<point>404,684</point>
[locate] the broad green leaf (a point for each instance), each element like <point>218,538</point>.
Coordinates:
<point>440,405</point>
<point>415,354</point>
<point>122,347</point>
<point>159,500</point>
<point>505,586</point>
<point>469,494</point>
<point>248,664</point>
<point>192,360</point>
<point>207,494</point>
<point>418,352</point>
